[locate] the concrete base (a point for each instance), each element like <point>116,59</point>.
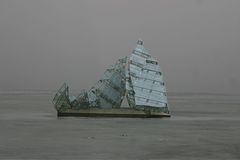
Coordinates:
<point>111,112</point>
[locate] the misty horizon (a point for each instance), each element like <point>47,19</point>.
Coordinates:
<point>45,43</point>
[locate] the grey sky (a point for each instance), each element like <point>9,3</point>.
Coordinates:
<point>45,43</point>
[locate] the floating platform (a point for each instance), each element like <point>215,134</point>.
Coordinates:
<point>111,112</point>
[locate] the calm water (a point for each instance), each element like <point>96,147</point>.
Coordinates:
<point>202,126</point>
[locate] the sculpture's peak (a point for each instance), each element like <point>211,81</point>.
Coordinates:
<point>140,42</point>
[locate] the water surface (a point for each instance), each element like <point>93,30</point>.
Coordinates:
<point>202,126</point>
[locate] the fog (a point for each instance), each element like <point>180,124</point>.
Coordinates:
<point>48,42</point>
